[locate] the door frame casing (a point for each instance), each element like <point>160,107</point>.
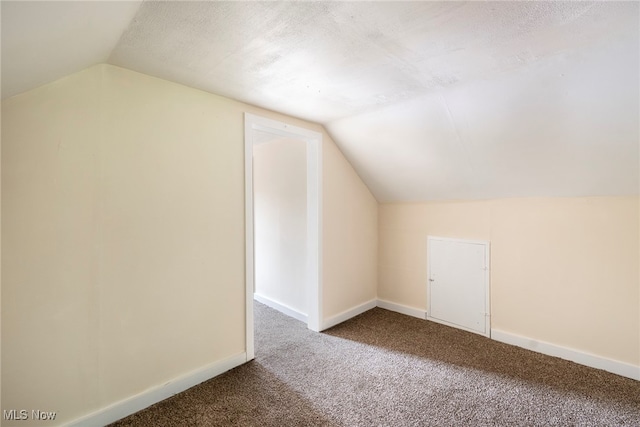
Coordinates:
<point>487,277</point>
<point>314,218</point>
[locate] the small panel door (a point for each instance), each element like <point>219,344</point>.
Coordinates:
<point>458,283</point>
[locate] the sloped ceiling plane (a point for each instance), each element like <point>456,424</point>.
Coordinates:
<point>428,100</point>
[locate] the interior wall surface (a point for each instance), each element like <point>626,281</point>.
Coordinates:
<point>280,218</point>
<point>123,237</point>
<point>563,270</point>
<point>350,235</point>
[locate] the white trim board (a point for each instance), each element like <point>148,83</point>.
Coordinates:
<point>348,314</point>
<point>577,356</point>
<point>282,308</point>
<point>402,309</point>
<point>138,402</point>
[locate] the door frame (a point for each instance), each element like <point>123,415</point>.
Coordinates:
<point>314,218</point>
<point>487,268</point>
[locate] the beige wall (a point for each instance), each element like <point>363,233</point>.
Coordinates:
<point>350,238</point>
<point>563,270</point>
<point>280,218</point>
<point>123,237</point>
<point>50,310</point>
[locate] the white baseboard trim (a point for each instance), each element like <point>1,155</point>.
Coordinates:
<point>347,314</point>
<point>282,308</point>
<point>581,357</point>
<point>153,395</point>
<point>403,309</point>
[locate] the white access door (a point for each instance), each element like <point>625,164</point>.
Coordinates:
<point>458,287</point>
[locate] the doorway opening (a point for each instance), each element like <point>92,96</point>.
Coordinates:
<point>282,204</point>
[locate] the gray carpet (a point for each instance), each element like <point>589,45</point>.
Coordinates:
<point>385,369</point>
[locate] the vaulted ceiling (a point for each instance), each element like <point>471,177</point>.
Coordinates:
<point>428,100</point>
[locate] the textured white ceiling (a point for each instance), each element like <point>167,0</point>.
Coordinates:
<point>428,100</point>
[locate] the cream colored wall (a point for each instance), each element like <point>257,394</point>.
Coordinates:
<point>50,311</point>
<point>280,218</point>
<point>171,244</point>
<point>123,237</point>
<point>350,240</point>
<point>563,270</point>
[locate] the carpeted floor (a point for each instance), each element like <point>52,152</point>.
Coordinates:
<point>386,369</point>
